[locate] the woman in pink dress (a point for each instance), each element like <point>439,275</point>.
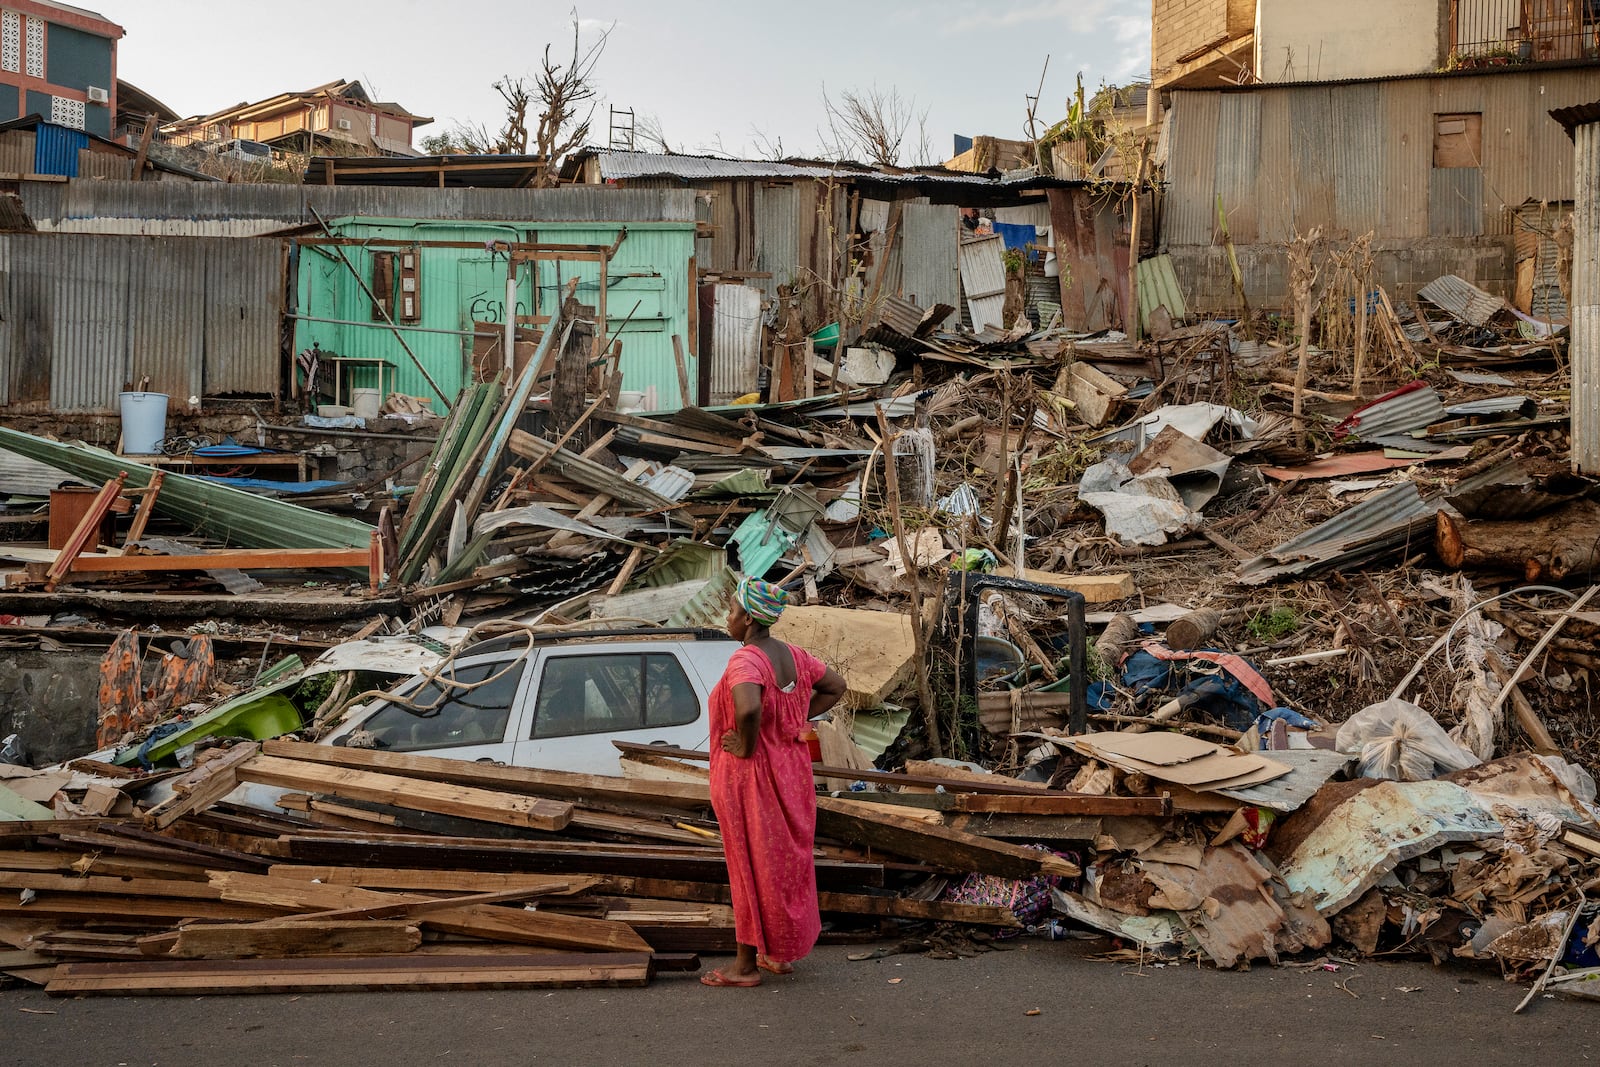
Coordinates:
<point>761,786</point>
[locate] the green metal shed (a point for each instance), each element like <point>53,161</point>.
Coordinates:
<point>461,280</point>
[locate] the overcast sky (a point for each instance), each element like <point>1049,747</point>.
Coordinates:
<point>720,77</point>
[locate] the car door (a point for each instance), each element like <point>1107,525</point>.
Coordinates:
<point>472,713</point>
<point>585,697</point>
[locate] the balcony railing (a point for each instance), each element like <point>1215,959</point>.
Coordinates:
<point>1486,33</point>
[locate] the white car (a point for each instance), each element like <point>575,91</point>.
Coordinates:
<point>556,703</point>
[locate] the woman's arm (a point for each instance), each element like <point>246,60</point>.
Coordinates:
<point>826,693</point>
<point>741,740</point>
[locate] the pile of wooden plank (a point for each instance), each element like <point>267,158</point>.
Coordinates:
<point>387,871</point>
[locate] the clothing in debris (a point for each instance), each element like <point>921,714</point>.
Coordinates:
<point>766,807</point>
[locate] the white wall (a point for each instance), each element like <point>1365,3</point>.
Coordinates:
<point>1298,41</point>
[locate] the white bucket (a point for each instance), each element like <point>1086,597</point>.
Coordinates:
<point>364,403</point>
<point>144,423</point>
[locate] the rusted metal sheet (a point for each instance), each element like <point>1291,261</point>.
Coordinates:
<point>1372,528</point>
<point>17,149</point>
<point>1462,299</point>
<point>735,342</point>
<point>1584,350</point>
<point>85,315</point>
<point>778,252</point>
<point>929,273</point>
<point>1376,830</point>
<point>1275,177</point>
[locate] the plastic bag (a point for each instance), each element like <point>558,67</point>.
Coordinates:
<point>1401,742</point>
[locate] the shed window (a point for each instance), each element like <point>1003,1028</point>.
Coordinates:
<point>1458,140</point>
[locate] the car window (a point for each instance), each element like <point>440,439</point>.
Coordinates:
<point>595,694</point>
<point>462,716</point>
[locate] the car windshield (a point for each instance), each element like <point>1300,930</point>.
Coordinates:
<point>467,706</point>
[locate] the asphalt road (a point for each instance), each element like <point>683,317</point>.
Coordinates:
<point>900,1010</point>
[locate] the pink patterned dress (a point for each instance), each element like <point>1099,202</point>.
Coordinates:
<point>766,808</point>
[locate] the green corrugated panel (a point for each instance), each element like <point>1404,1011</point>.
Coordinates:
<point>1158,287</point>
<point>16,809</point>
<point>875,731</point>
<point>232,516</point>
<point>463,285</point>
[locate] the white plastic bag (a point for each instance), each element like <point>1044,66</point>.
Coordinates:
<point>1401,742</point>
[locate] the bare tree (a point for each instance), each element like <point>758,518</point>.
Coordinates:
<point>566,100</point>
<point>767,145</point>
<point>871,123</point>
<point>648,135</point>
<point>561,93</point>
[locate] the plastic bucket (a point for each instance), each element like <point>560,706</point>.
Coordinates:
<point>364,403</point>
<point>144,423</point>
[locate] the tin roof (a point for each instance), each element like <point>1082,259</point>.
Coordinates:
<point>1577,115</point>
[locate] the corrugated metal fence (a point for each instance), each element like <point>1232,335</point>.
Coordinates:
<point>81,315</point>
<point>1358,157</point>
<point>1585,351</point>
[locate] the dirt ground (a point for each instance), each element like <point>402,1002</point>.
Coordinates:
<point>903,1009</point>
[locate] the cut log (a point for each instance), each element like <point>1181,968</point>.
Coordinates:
<point>1543,548</point>
<point>441,798</point>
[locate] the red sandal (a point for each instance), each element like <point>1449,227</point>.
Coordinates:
<point>717,978</point>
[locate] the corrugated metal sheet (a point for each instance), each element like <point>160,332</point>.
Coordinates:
<point>983,277</point>
<point>1239,163</point>
<point>56,149</point>
<point>1158,287</point>
<point>1585,345</point>
<point>20,476</point>
<point>85,314</point>
<point>1455,202</point>
<point>1369,529</point>
<point>777,227</point>
<point>1462,299</point>
<point>621,166</point>
<point>929,272</point>
<point>1411,409</point>
<point>735,342</point>
<point>16,152</point>
<point>1356,145</point>
<point>190,204</point>
<point>1357,156</point>
<point>1192,168</point>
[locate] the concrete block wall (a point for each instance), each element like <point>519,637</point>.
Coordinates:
<point>1181,26</point>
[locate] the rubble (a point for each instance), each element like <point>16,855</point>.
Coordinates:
<point>1251,753</point>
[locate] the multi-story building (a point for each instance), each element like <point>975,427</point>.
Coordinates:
<point>338,119</point>
<point>58,62</point>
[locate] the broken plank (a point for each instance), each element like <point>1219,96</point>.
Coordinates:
<point>1027,827</point>
<point>435,881</point>
<point>1094,588</point>
<point>566,785</point>
<point>200,788</point>
<point>1060,804</point>
<point>927,910</point>
<point>474,920</point>
<point>438,797</point>
<point>870,825</point>
<point>325,937</point>
<point>377,973</point>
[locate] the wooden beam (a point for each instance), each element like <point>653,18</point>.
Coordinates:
<point>441,798</point>
<point>326,937</point>
<point>566,785</point>
<point>1069,804</point>
<point>162,978</point>
<point>867,824</point>
<point>473,920</point>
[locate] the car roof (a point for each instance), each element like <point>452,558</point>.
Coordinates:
<point>519,639</point>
